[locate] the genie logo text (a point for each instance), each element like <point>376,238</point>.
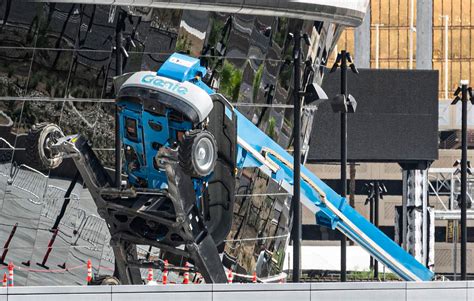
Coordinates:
<point>164,84</point>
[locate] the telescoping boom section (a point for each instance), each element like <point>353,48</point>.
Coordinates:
<point>331,210</point>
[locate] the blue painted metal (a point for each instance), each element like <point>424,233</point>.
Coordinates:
<point>339,216</point>
<point>181,68</point>
<point>143,146</point>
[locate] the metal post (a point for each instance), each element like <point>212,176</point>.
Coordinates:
<point>48,251</point>
<point>343,157</point>
<point>371,218</point>
<point>296,158</point>
<point>67,200</point>
<point>455,249</point>
<point>464,179</point>
<point>376,223</point>
<point>425,244</point>
<point>118,42</point>
<point>118,69</point>
<point>405,209</point>
<point>7,244</point>
<point>410,35</point>
<point>118,147</point>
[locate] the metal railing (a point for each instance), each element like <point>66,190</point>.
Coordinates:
<point>93,229</point>
<point>31,181</point>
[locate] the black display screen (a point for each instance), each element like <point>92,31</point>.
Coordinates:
<point>396,118</point>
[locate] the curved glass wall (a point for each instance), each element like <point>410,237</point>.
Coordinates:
<point>57,62</point>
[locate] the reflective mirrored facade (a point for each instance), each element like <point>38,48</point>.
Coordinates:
<point>57,63</point>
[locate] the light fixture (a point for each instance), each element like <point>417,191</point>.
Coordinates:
<point>471,97</point>
<point>339,104</point>
<point>352,66</point>
<point>351,104</point>
<point>314,93</point>
<point>336,63</point>
<point>455,100</point>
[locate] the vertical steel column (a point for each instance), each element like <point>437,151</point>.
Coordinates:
<point>376,222</point>
<point>371,218</point>
<point>296,158</point>
<point>118,41</point>
<point>343,184</point>
<point>464,180</point>
<point>118,71</point>
<point>424,228</point>
<point>455,249</point>
<point>405,209</point>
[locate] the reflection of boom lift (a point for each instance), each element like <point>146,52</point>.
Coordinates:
<point>183,145</point>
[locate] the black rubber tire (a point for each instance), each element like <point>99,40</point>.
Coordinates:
<point>110,280</point>
<point>34,155</point>
<point>186,149</point>
<point>104,280</point>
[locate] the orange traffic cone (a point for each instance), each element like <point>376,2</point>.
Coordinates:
<point>254,277</point>
<point>165,273</point>
<point>150,275</point>
<point>230,276</point>
<point>186,273</point>
<point>89,271</point>
<point>10,274</point>
<point>5,280</point>
<point>197,278</point>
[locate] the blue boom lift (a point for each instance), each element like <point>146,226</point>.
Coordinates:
<point>183,145</point>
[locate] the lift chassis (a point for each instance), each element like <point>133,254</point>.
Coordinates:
<point>134,215</point>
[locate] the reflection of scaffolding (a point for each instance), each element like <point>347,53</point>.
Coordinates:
<point>445,186</point>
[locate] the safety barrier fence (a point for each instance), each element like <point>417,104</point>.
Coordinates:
<point>93,229</point>
<point>34,184</point>
<point>31,181</point>
<point>53,202</point>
